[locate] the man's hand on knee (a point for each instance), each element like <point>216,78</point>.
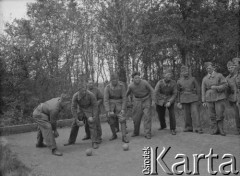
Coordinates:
<point>79,123</point>
<point>55,133</point>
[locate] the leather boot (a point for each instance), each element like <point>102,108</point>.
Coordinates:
<point>95,145</point>
<point>220,127</point>
<point>123,129</point>
<point>215,129</point>
<point>69,143</point>
<point>41,145</point>
<point>86,138</point>
<point>114,135</point>
<point>117,125</point>
<point>56,152</point>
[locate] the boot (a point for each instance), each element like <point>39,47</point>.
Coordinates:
<point>123,129</point>
<point>69,143</point>
<point>215,129</point>
<point>220,127</point>
<point>114,136</point>
<point>200,131</point>
<point>94,145</point>
<point>86,138</point>
<point>56,152</point>
<point>117,125</point>
<point>41,145</point>
<point>99,140</point>
<point>173,132</point>
<point>125,139</point>
<point>134,135</point>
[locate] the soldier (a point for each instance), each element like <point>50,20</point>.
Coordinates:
<point>236,78</point>
<point>188,99</point>
<point>213,97</point>
<point>86,102</point>
<point>166,93</point>
<point>115,105</point>
<point>99,97</point>
<point>143,96</point>
<point>46,115</point>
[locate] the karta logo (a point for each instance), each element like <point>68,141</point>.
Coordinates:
<point>153,161</point>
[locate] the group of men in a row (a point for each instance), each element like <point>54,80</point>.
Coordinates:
<point>185,92</point>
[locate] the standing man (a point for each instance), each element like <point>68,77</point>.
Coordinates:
<point>166,93</point>
<point>237,90</point>
<point>213,97</point>
<point>115,105</point>
<point>84,107</point>
<point>142,101</point>
<point>46,115</point>
<point>99,98</point>
<point>188,99</point>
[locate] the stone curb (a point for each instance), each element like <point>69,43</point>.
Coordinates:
<point>4,131</point>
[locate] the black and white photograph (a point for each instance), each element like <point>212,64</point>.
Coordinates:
<point>119,87</point>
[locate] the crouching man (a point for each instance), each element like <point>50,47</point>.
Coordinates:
<point>86,102</point>
<point>46,115</point>
<point>115,105</point>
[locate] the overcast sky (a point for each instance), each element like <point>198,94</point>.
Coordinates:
<point>11,9</point>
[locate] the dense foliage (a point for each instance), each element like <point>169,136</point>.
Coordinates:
<point>62,42</point>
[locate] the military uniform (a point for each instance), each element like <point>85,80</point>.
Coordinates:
<point>215,99</point>
<point>189,96</point>
<point>115,101</point>
<point>143,94</point>
<point>99,97</point>
<point>232,98</point>
<point>166,92</point>
<point>235,81</point>
<point>82,108</point>
<point>46,116</point>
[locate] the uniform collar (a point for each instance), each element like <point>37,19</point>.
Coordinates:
<point>212,75</point>
<point>231,75</point>
<point>138,83</point>
<point>165,83</point>
<point>186,78</point>
<point>112,87</point>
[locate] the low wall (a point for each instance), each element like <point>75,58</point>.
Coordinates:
<point>7,130</point>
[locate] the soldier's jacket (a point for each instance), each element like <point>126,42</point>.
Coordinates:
<point>142,90</point>
<point>188,90</point>
<point>97,94</point>
<point>211,95</point>
<point>51,109</point>
<point>232,88</point>
<point>86,104</point>
<point>237,81</point>
<point>115,94</point>
<point>165,92</point>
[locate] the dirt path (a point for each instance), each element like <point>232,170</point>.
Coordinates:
<point>111,160</point>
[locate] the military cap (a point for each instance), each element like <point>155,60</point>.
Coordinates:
<point>207,64</point>
<point>230,64</point>
<point>236,60</point>
<point>184,68</point>
<point>135,73</point>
